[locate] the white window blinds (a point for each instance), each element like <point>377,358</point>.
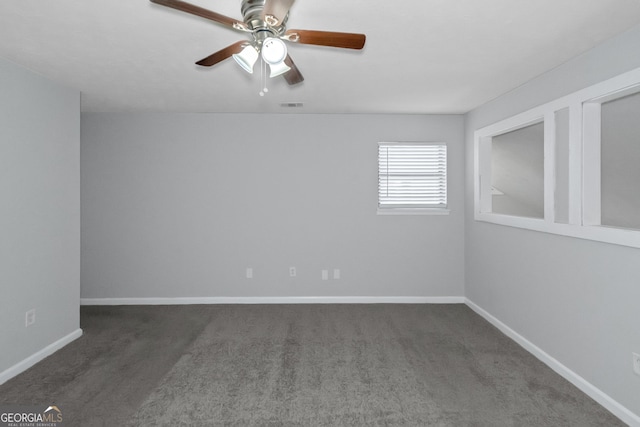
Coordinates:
<point>412,175</point>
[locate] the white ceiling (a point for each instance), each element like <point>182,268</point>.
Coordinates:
<point>421,56</point>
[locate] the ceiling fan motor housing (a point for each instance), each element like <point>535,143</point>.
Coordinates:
<point>252,15</point>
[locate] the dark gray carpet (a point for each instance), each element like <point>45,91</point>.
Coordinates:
<point>299,365</point>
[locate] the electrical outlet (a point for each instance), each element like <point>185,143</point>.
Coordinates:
<point>292,272</point>
<point>30,317</point>
<point>249,273</point>
<point>325,274</point>
<point>636,363</point>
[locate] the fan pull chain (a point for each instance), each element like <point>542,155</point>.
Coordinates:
<point>263,78</point>
<point>264,73</point>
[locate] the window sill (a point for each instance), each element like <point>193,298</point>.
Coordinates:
<point>598,233</point>
<point>413,211</point>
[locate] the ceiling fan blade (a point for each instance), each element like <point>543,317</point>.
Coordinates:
<point>293,76</point>
<point>204,13</point>
<point>223,54</point>
<point>275,11</point>
<point>326,38</point>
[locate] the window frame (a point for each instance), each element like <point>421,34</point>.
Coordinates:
<point>584,164</point>
<point>530,122</point>
<point>418,210</point>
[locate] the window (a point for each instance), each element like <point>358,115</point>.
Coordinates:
<point>412,177</point>
<point>620,157</point>
<point>567,167</point>
<point>517,172</point>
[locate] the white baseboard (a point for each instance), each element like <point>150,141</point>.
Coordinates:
<point>589,389</point>
<point>272,300</point>
<point>20,367</point>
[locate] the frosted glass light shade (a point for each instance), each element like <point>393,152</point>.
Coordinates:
<point>274,52</point>
<point>278,69</point>
<point>247,58</point>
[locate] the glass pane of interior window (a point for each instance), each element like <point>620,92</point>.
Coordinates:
<point>620,157</point>
<point>562,167</point>
<point>517,172</point>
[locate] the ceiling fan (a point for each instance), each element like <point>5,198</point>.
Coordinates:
<point>266,21</point>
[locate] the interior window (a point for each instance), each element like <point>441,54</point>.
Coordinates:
<point>517,172</point>
<point>620,162</point>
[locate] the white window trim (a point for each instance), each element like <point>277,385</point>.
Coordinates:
<point>417,210</point>
<point>413,211</point>
<point>584,164</point>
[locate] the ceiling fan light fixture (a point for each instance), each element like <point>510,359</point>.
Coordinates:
<point>274,52</point>
<point>278,69</point>
<point>266,21</point>
<point>247,58</point>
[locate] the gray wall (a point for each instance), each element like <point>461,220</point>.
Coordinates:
<point>575,299</point>
<point>39,212</point>
<point>178,205</point>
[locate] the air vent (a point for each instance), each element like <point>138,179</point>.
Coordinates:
<point>292,105</point>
